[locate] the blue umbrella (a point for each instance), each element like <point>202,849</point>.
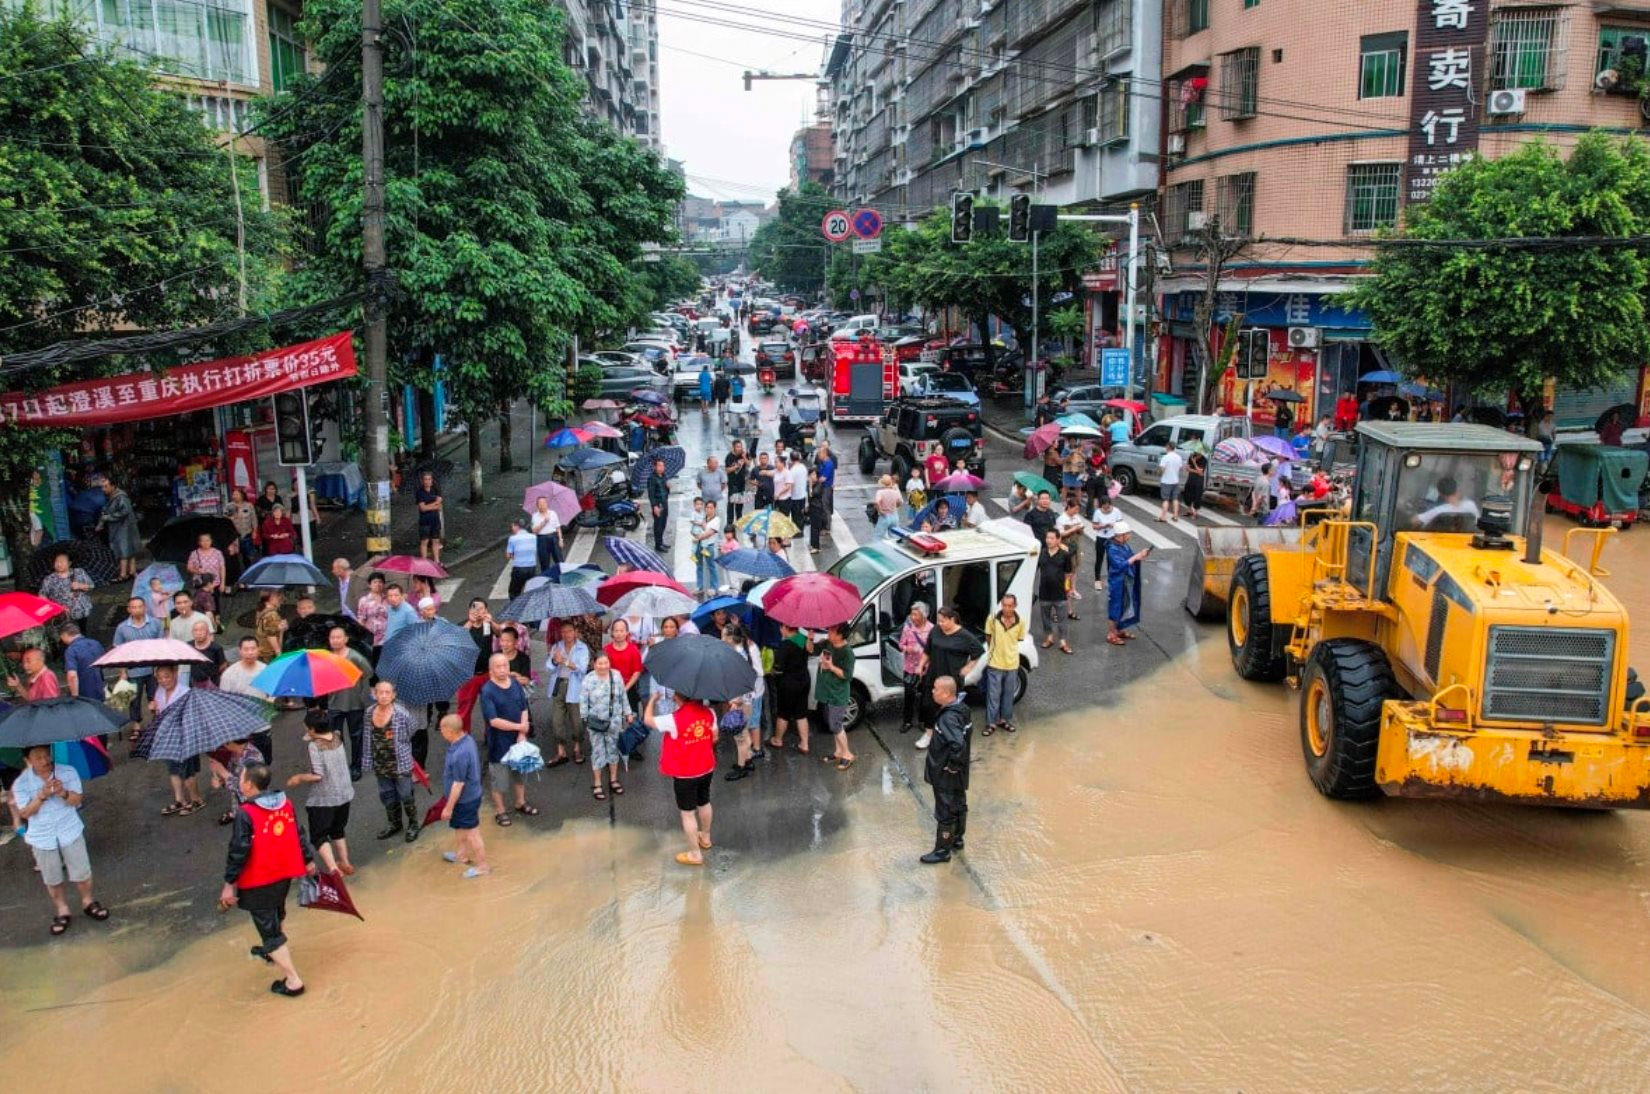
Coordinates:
<point>428,661</point>
<point>675,459</point>
<point>1379,376</point>
<point>278,571</point>
<point>957,503</point>
<point>755,563</point>
<point>552,601</point>
<point>565,438</point>
<point>649,396</point>
<point>588,459</point>
<point>200,720</point>
<point>587,574</point>
<point>171,579</point>
<point>733,605</point>
<point>630,553</point>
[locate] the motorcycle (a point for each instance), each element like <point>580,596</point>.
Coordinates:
<point>609,505</point>
<point>766,376</point>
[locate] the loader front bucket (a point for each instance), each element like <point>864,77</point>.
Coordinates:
<point>1218,550</point>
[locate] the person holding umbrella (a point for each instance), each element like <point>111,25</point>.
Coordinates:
<point>390,727</point>
<point>790,671</point>
<point>833,688</point>
<point>546,528</point>
<point>267,850</point>
<point>687,753</point>
<point>747,739</point>
<point>49,797</point>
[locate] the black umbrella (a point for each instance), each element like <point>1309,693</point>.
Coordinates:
<point>47,721</point>
<point>697,666</point>
<point>310,633</point>
<point>1284,397</point>
<point>89,554</point>
<point>178,537</point>
<point>740,368</point>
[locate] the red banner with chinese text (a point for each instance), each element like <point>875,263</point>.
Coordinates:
<point>183,389</point>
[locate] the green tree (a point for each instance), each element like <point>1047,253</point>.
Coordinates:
<point>117,209</point>
<point>789,249</point>
<point>668,279</point>
<point>1509,317</point>
<point>513,219</point>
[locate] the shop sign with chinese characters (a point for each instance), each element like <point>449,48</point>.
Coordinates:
<point>1443,127</point>
<point>183,389</point>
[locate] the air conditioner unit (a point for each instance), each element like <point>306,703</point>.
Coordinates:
<point>1305,337</point>
<point>1196,220</point>
<point>1177,144</point>
<point>977,137</point>
<point>1091,137</point>
<point>1508,100</point>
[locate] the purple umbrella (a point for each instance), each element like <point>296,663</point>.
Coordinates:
<point>1275,446</point>
<point>960,480</point>
<point>563,502</point>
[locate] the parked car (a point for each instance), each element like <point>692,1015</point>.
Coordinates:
<point>618,382</point>
<point>910,370</point>
<point>1089,399</point>
<point>657,354</point>
<point>620,358</point>
<point>945,385</point>
<point>780,355</point>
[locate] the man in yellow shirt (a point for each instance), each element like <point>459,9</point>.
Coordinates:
<point>1003,633</point>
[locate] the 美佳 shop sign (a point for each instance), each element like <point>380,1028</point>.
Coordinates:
<point>183,389</point>
<point>1443,124</point>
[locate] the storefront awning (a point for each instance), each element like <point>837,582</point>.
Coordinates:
<point>180,390</point>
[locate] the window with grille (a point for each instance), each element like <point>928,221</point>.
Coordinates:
<point>1239,83</point>
<point>1195,16</point>
<point>1179,203</point>
<point>1186,102</point>
<point>1610,41</point>
<point>1113,118</point>
<point>286,48</point>
<point>1116,25</point>
<point>1371,196</point>
<point>1381,65</point>
<point>1235,204</point>
<point>1528,48</point>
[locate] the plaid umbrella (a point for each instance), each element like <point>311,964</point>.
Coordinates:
<point>279,571</point>
<point>675,459</point>
<point>427,661</point>
<point>171,579</point>
<point>49,721</point>
<point>630,553</point>
<point>755,563</point>
<point>550,601</point>
<point>87,554</point>
<point>655,603</point>
<point>201,720</point>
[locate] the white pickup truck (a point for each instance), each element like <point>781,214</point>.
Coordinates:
<point>1136,464</point>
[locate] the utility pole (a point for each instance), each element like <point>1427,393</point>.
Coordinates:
<point>375,450</point>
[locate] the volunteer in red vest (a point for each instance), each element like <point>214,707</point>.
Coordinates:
<point>688,755</point>
<point>266,851</point>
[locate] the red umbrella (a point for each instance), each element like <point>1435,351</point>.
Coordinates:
<point>1043,438</point>
<point>326,893</point>
<point>420,776</point>
<point>433,813</point>
<point>811,600</point>
<point>407,564</point>
<point>21,611</point>
<point>611,589</point>
<point>1126,404</point>
<point>465,699</point>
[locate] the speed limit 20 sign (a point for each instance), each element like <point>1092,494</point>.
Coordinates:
<point>836,226</point>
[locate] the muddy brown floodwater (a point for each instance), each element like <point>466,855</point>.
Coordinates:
<point>1153,898</point>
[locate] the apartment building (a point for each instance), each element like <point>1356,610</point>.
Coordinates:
<point>995,96</point>
<point>1324,121</point>
<point>812,155</point>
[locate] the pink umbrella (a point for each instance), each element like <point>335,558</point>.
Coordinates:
<point>601,430</point>
<point>21,611</point>
<point>1043,438</point>
<point>407,564</point>
<point>960,480</point>
<point>811,600</point>
<point>563,502</point>
<point>151,651</point>
<point>599,404</point>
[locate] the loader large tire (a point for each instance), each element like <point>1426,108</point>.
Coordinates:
<point>1345,682</point>
<point>1249,627</point>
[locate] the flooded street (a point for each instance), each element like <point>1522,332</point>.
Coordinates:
<point>1153,898</point>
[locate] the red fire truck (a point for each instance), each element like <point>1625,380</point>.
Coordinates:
<point>864,379</point>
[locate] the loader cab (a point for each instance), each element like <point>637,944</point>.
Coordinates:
<point>1433,478</point>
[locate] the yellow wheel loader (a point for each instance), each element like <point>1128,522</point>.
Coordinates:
<point>1437,653</point>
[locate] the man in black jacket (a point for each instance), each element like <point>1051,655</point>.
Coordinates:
<point>658,500</point>
<point>947,770</point>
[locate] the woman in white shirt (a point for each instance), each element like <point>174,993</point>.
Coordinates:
<point>1104,518</point>
<point>747,737</point>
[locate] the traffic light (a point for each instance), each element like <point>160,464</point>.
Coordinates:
<point>962,217</point>
<point>293,447</point>
<point>1019,218</point>
<point>1254,349</point>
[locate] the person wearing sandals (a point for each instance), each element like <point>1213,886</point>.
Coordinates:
<point>228,775</point>
<point>745,713</point>
<point>568,661</point>
<point>267,850</point>
<point>389,729</point>
<point>833,687</point>
<point>504,713</point>
<point>687,754</point>
<point>185,774</point>
<point>1003,633</point>
<point>1055,565</point>
<point>48,800</point>
<point>605,707</point>
<point>326,807</point>
<point>1123,584</point>
<point>461,778</point>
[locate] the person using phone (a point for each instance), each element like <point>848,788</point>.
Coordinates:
<point>1122,583</point>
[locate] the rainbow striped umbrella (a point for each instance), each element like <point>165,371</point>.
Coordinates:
<point>307,673</point>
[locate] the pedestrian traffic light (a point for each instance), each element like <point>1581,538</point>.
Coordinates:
<point>1019,218</point>
<point>962,217</point>
<point>293,447</point>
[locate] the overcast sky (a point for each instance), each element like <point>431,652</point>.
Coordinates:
<point>736,144</point>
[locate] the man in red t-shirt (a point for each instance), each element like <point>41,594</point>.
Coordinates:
<point>687,754</point>
<point>38,681</point>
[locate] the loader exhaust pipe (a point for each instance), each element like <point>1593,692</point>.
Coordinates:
<point>1532,534</point>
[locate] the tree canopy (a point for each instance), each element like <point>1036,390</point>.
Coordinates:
<point>1509,317</point>
<point>789,249</point>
